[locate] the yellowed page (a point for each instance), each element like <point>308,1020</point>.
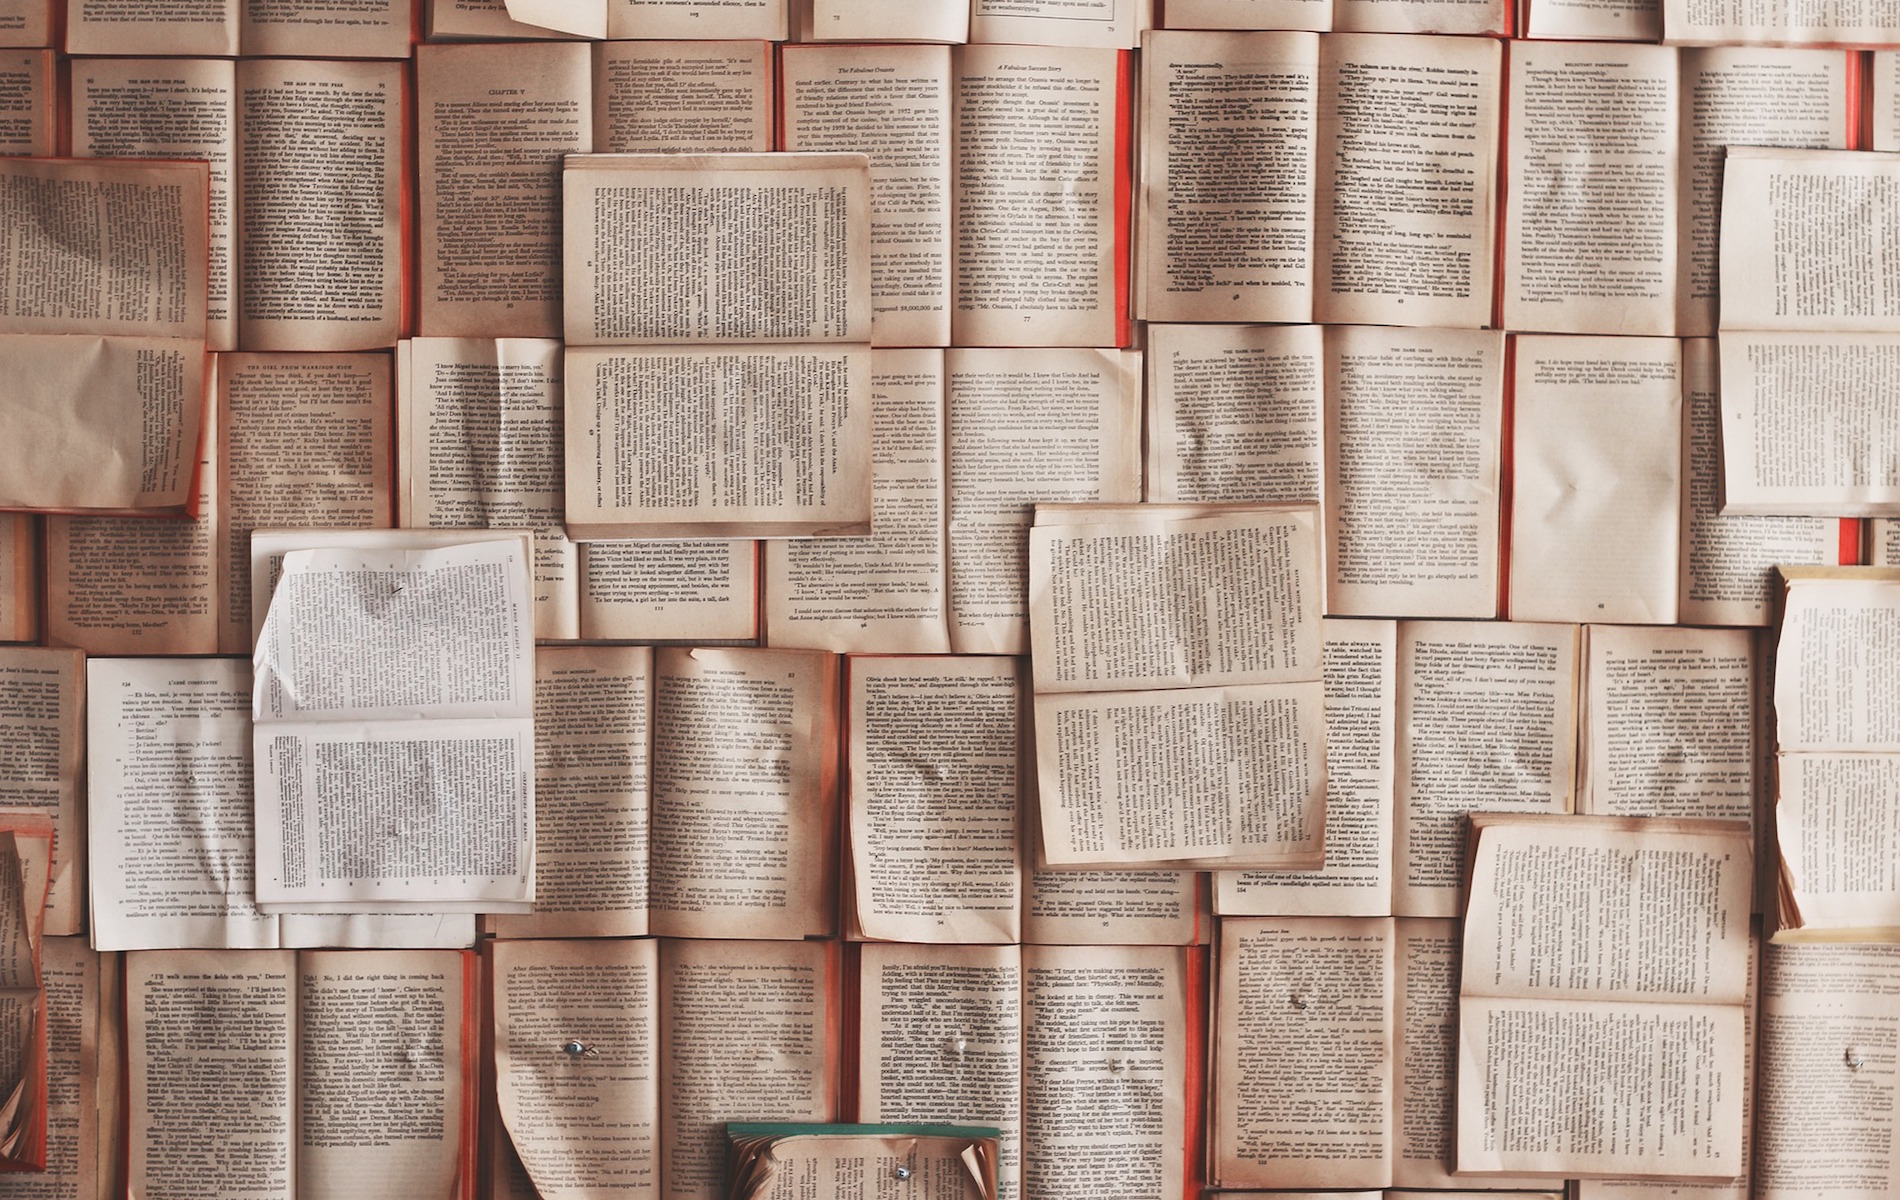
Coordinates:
<point>1595,20</point>
<point>339,122</point>
<point>693,97</point>
<point>133,585</point>
<point>1028,427</point>
<point>593,725</point>
<point>1422,16</point>
<point>687,591</point>
<point>482,445</point>
<point>1728,559</point>
<point>27,23</point>
<point>881,21</point>
<point>1226,212</point>
<point>1669,720</point>
<point>1234,413</point>
<point>42,739</point>
<point>587,18</point>
<point>744,793</point>
<point>1107,907</point>
<point>705,248</point>
<point>74,1007</point>
<point>1597,466</point>
<point>1041,268</point>
<point>211,1048</point>
<point>305,441</point>
<point>1303,1052</point>
<point>1227,777</point>
<point>764,20</point>
<point>27,109</point>
<point>1845,22</point>
<point>487,20</point>
<point>1884,83</point>
<point>744,1032</point>
<point>1590,218</point>
<point>170,108</point>
<point>1808,422</point>
<point>576,1064</point>
<point>695,442</point>
<point>934,756</point>
<point>1413,434</point>
<point>1105,1052</point>
<point>203,27</point>
<point>489,190</point>
<point>379,1066</point>
<point>1744,96</point>
<point>1830,1016</point>
<point>893,104</point>
<point>1113,24</point>
<point>1315,16</point>
<point>19,578</point>
<point>882,594</point>
<point>1487,722</point>
<point>1405,210</point>
<point>1361,692</point>
<point>942,1041</point>
<point>327,28</point>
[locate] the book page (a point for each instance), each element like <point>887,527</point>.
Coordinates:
<point>893,104</point>
<point>1669,721</point>
<point>201,27</point>
<point>1728,559</point>
<point>171,848</point>
<point>1596,510</point>
<point>1413,435</point>
<point>1028,427</point>
<point>27,22</point>
<point>691,97</point>
<point>1808,423</point>
<point>305,442</point>
<point>587,19</point>
<point>1303,1032</point>
<point>1590,218</point>
<point>942,1040</point>
<point>1102,23</point>
<point>934,755</point>
<point>122,585</point>
<point>1884,84</point>
<point>879,21</point>
<point>1405,209</point>
<point>1804,240</point>
<point>1830,1016</point>
<point>1227,600</point>
<point>762,20</point>
<point>380,1061</point>
<point>745,1028</point>
<point>170,108</point>
<point>680,441</point>
<point>576,1062</point>
<point>1883,542</point>
<point>1315,16</point>
<point>1487,722</point>
<point>1234,413</point>
<point>329,28</point>
<point>1041,246</point>
<point>1361,686</point>
<point>1226,220</point>
<point>482,446</point>
<point>341,122</point>
<point>1106,1045</point>
<point>42,741</point>
<point>488,162</point>
<point>884,593</point>
<point>683,591</point>
<point>19,578</point>
<point>1420,16</point>
<point>1107,907</point>
<point>211,1050</point>
<point>71,973</point>
<point>1839,650</point>
<point>130,414</point>
<point>1744,96</point>
<point>1205,777</point>
<point>593,718</point>
<point>1843,22</point>
<point>716,248</point>
<point>1839,834</point>
<point>745,793</point>
<point>488,20</point>
<point>1597,20</point>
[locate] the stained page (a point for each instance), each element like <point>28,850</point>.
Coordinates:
<point>1597,461</point>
